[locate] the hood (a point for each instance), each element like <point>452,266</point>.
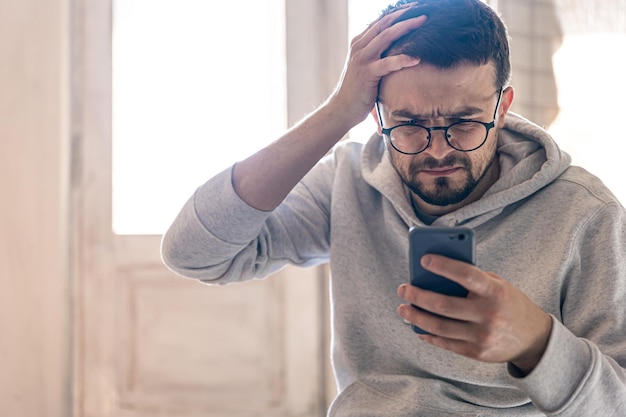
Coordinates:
<point>529,160</point>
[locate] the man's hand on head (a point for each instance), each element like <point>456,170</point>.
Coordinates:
<point>357,90</point>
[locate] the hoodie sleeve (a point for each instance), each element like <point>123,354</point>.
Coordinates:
<point>218,238</point>
<point>582,372</point>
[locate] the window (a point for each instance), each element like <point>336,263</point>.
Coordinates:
<point>184,77</point>
<point>589,69</point>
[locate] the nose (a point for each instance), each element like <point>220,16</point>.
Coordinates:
<point>438,146</point>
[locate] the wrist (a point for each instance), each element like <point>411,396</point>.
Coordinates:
<point>346,113</point>
<point>528,361</point>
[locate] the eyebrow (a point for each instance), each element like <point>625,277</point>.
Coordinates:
<point>458,114</point>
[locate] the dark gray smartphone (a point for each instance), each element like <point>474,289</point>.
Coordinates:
<point>453,242</point>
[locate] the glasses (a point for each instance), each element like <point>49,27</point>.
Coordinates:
<point>464,135</point>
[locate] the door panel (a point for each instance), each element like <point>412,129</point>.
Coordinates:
<point>175,349</point>
<point>190,348</point>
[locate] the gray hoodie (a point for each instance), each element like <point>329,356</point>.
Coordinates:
<point>553,230</point>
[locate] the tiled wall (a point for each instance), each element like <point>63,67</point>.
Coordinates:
<point>589,37</point>
<point>535,35</point>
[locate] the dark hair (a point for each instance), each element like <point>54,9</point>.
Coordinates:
<point>455,32</point>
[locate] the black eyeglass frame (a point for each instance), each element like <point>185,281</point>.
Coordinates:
<point>488,126</point>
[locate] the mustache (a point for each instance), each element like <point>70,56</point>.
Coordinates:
<point>432,163</point>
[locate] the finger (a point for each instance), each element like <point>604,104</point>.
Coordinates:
<point>457,308</point>
<point>459,337</point>
<point>436,325</point>
<point>386,20</point>
<point>467,275</point>
<point>373,28</point>
<point>460,347</point>
<point>384,66</point>
<point>393,63</point>
<point>389,35</point>
<point>383,33</point>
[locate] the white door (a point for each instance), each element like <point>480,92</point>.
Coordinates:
<point>148,343</point>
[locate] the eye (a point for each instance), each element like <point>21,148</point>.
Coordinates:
<point>467,126</point>
<point>410,130</point>
<point>466,120</point>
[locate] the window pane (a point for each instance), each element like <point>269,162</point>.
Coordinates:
<point>360,14</point>
<point>193,92</point>
<point>589,72</point>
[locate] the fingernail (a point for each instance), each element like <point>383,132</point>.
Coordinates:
<point>402,290</point>
<point>426,260</point>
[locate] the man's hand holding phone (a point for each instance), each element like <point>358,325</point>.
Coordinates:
<point>496,322</point>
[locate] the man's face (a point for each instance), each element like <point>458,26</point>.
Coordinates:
<point>442,178</point>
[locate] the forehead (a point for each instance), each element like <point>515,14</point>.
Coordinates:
<point>425,89</point>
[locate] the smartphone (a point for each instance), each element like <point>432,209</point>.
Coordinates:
<point>453,242</point>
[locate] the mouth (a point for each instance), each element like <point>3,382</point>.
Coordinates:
<point>440,172</point>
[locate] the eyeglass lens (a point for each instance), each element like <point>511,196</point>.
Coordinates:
<point>463,136</point>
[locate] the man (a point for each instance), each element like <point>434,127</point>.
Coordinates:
<point>543,334</point>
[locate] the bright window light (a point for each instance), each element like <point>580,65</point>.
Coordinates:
<point>192,94</point>
<point>590,91</point>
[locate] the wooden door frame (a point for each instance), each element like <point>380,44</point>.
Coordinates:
<point>92,249</point>
<point>311,77</point>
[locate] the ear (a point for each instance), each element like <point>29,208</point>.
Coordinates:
<point>508,94</point>
<point>379,122</point>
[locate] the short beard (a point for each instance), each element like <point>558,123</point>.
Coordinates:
<point>443,195</point>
